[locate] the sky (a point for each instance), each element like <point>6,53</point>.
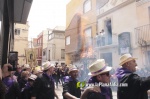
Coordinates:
<point>46,14</point>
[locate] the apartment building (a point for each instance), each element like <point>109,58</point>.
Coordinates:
<point>115,27</point>
<point>55,52</point>
<point>21,41</point>
<point>38,46</point>
<point>45,44</point>
<point>80,29</point>
<point>123,26</point>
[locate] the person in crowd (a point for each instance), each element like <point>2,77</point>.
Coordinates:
<point>38,71</point>
<point>2,87</point>
<point>100,74</point>
<point>66,69</point>
<point>61,74</point>
<point>136,86</point>
<point>70,89</point>
<point>27,91</point>
<point>27,67</point>
<point>24,78</point>
<point>57,75</point>
<point>44,87</point>
<point>11,86</point>
<point>18,72</point>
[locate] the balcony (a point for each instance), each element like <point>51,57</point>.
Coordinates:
<point>143,35</point>
<point>101,42</point>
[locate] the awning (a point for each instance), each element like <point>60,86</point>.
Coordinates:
<point>21,10</point>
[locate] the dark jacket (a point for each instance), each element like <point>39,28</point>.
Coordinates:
<point>12,88</point>
<point>136,88</point>
<point>26,93</point>
<point>2,90</point>
<point>102,95</point>
<point>43,87</point>
<point>70,86</point>
<point>22,83</point>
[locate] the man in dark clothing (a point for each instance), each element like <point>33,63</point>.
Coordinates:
<point>18,72</point>
<point>100,74</point>
<point>44,87</point>
<point>2,90</point>
<point>70,90</point>
<point>10,83</point>
<point>27,91</point>
<point>2,87</point>
<point>137,86</point>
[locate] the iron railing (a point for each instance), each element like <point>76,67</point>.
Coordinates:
<point>143,35</point>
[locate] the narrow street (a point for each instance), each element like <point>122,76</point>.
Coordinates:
<point>59,92</point>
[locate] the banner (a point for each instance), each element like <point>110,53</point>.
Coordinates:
<point>31,56</point>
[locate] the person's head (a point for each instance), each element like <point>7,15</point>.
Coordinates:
<point>19,68</point>
<point>48,68</point>
<point>27,68</point>
<point>25,75</point>
<point>127,61</point>
<point>37,71</point>
<point>100,71</point>
<point>73,71</point>
<point>31,79</point>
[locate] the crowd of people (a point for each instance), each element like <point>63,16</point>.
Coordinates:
<point>40,82</point>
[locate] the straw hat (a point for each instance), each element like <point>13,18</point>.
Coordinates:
<point>26,66</point>
<point>72,68</point>
<point>37,70</point>
<point>125,58</point>
<point>32,77</point>
<point>47,65</point>
<point>98,67</point>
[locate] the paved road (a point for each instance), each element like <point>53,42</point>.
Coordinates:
<point>59,92</point>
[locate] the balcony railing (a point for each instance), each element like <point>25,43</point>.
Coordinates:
<point>101,41</point>
<point>143,35</point>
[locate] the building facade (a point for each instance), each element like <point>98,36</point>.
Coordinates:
<point>123,28</point>
<point>81,28</point>
<point>9,14</point>
<point>45,44</point>
<point>38,46</point>
<point>21,41</point>
<point>97,29</point>
<point>55,52</point>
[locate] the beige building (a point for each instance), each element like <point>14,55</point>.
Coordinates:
<point>124,27</point>
<point>55,51</point>
<point>21,41</point>
<point>81,28</point>
<point>45,44</point>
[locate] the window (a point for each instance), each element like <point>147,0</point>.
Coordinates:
<point>62,53</point>
<point>88,37</point>
<point>17,31</point>
<point>87,6</point>
<point>44,53</point>
<point>51,36</point>
<point>67,40</point>
<point>88,32</point>
<point>59,35</point>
